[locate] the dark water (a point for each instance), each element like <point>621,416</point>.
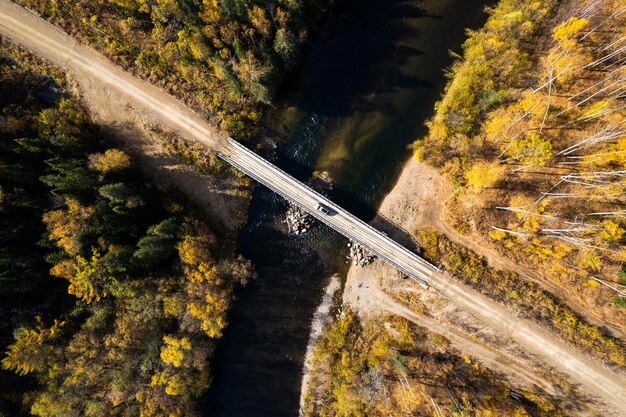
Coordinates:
<point>366,87</point>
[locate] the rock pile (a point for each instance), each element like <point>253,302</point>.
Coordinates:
<point>298,222</point>
<point>322,182</point>
<point>359,255</point>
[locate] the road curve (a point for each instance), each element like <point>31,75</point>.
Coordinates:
<point>51,43</point>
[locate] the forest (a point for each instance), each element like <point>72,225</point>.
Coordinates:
<point>387,366</point>
<point>225,58</point>
<point>532,130</point>
<point>115,294</point>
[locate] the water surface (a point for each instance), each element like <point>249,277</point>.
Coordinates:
<point>367,84</point>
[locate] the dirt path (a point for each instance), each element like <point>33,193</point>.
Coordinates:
<point>116,106</point>
<point>417,200</point>
<point>596,379</point>
<point>363,292</point>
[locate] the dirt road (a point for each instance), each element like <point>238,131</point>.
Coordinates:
<point>124,106</point>
<point>60,49</point>
<point>418,200</point>
<point>364,292</point>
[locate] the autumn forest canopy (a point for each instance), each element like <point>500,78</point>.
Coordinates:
<point>226,57</point>
<point>116,294</point>
<point>532,126</point>
<point>115,290</point>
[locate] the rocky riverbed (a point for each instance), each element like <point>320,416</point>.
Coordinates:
<point>298,221</point>
<point>359,255</point>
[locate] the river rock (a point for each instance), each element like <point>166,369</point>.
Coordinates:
<point>298,221</point>
<point>359,255</point>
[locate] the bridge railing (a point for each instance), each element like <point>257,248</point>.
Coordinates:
<point>331,203</point>
<point>319,217</point>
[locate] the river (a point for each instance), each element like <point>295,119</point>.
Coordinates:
<point>367,84</point>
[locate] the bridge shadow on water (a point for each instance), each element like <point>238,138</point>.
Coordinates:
<point>365,212</point>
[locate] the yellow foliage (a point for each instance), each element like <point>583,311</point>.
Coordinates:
<point>198,48</point>
<point>599,107</point>
<point>65,227</point>
<point>405,337</point>
<point>561,272</point>
<point>64,269</point>
<point>560,250</point>
<point>497,234</point>
<point>533,105</point>
<point>173,352</point>
<point>347,402</point>
<point>611,231</point>
<point>537,247</point>
<point>569,57</point>
<point>530,149</point>
<point>484,175</point>
<point>31,352</point>
<point>110,160</point>
<point>174,383</point>
<point>440,341</point>
<point>522,203</point>
<point>172,306</point>
<point>212,315</point>
<point>589,259</point>
<point>174,386</point>
<point>499,124</point>
<point>195,249</point>
<point>568,66</point>
<point>570,29</point>
<point>407,397</point>
<point>379,349</point>
<point>82,282</point>
<point>259,20</point>
<point>419,152</point>
<point>48,405</point>
<point>209,299</point>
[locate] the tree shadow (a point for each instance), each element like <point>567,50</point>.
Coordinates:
<point>341,67</point>
<point>220,197</point>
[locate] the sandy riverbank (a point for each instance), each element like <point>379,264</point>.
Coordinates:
<point>321,319</point>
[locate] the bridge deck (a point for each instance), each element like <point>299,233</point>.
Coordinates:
<point>339,219</point>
